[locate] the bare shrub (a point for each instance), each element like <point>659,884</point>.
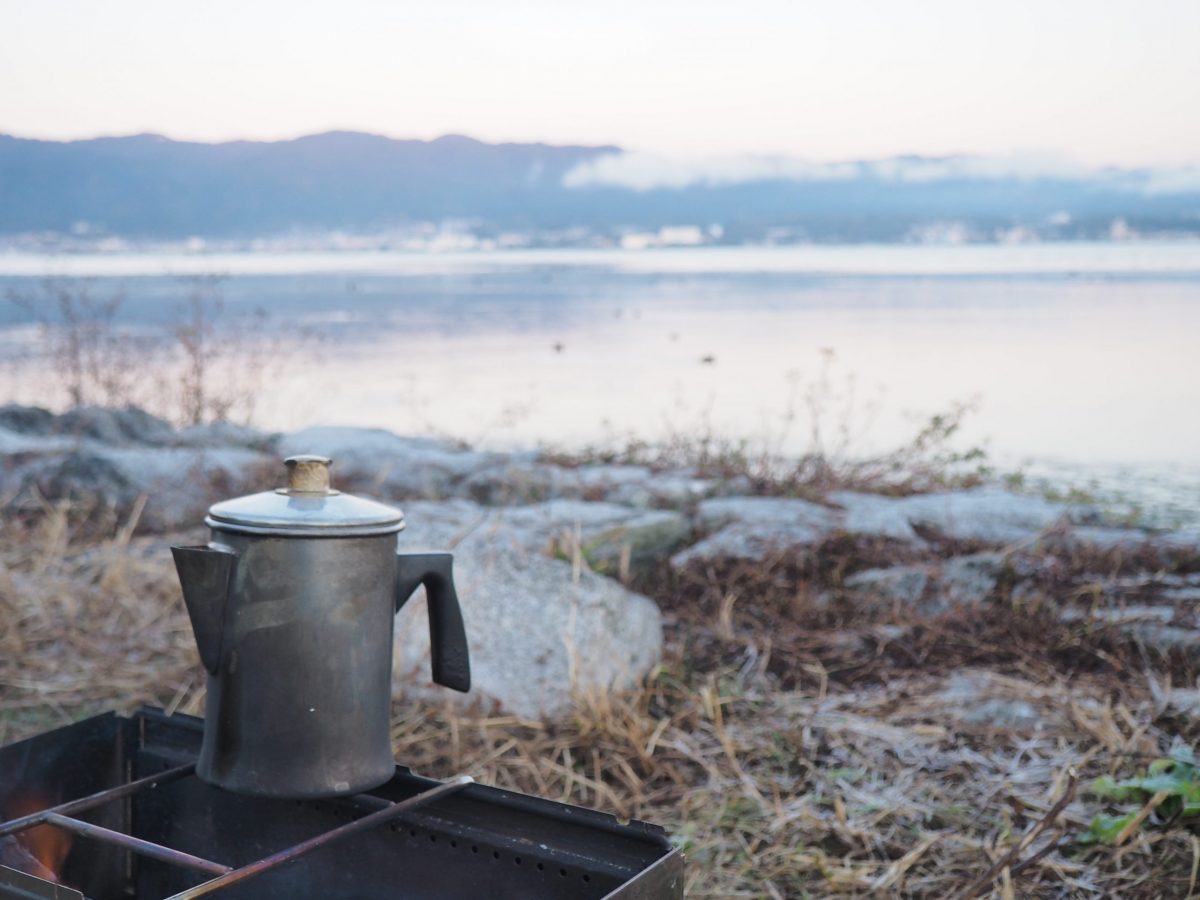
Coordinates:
<point>222,361</point>
<point>96,359</point>
<point>836,418</point>
<point>203,365</point>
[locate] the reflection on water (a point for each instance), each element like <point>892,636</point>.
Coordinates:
<point>1099,368</point>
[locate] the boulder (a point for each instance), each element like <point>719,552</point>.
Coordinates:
<point>523,479</point>
<point>642,487</point>
<point>987,515</point>
<point>111,458</point>
<point>541,631</point>
<point>518,479</point>
<point>972,578</point>
<point>779,512</point>
<point>874,515</point>
<point>598,480</point>
<point>931,588</point>
<point>752,527</point>
<point>26,420</point>
<point>906,585</point>
<point>1186,539</point>
<point>20,444</point>
<point>115,427</point>
<point>178,483</point>
<point>606,532</point>
<point>378,461</point>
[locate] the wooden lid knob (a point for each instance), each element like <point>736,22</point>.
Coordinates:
<point>308,474</point>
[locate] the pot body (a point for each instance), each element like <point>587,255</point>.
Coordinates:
<point>299,701</point>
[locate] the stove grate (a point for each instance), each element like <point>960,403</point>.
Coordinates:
<point>226,876</point>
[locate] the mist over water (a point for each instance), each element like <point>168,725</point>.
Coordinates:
<point>1079,358</point>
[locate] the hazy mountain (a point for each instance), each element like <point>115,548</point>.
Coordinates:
<point>150,187</point>
<point>147,185</point>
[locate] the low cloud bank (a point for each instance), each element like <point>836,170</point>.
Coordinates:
<point>646,171</point>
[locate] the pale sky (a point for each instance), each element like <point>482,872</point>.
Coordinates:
<point>1095,81</point>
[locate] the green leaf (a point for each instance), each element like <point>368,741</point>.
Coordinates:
<point>1159,766</point>
<point>1104,829</point>
<point>1185,755</point>
<point>1176,777</point>
<point>1104,786</point>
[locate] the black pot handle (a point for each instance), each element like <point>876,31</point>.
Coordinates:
<point>447,635</point>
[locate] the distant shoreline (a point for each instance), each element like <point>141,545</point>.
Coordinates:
<point>1163,258</point>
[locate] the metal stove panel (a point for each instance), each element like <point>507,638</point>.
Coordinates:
<point>480,842</point>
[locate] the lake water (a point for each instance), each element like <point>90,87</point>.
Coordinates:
<point>1083,360</point>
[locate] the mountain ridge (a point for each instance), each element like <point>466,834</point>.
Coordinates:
<point>148,186</point>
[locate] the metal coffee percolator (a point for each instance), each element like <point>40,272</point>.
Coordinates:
<point>293,605</point>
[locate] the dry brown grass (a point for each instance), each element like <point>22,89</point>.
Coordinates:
<point>86,627</point>
<point>794,747</point>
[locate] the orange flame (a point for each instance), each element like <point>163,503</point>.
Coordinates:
<point>39,851</point>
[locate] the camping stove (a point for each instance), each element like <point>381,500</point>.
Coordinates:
<point>110,808</point>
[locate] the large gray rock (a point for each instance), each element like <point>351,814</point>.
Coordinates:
<point>522,478</point>
<point>675,490</point>
<point>117,459</point>
<point>933,587</point>
<point>874,515</point>
<point>177,484</point>
<point>753,527</point>
<point>906,585</point>
<point>128,426</point>
<point>30,429</point>
<point>17,443</point>
<point>375,460</point>
<point>988,515</point>
<point>27,420</point>
<point>972,578</point>
<point>541,631</point>
<point>519,478</point>
<point>42,430</point>
<point>779,512</point>
<point>1187,539</point>
<point>602,533</point>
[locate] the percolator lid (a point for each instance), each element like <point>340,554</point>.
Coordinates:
<point>307,507</point>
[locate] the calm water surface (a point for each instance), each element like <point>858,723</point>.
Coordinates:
<point>1081,357</point>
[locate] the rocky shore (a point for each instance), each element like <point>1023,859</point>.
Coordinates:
<point>545,551</point>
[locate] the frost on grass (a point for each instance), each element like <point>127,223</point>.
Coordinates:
<point>794,742</point>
